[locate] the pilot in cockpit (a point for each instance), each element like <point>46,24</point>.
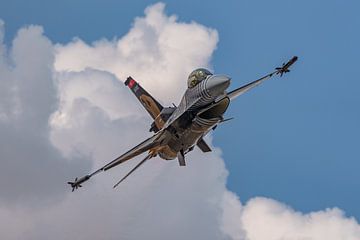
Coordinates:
<point>197,76</point>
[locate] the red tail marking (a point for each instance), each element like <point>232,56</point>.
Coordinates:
<point>131,83</point>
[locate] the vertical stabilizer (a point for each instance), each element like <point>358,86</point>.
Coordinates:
<point>152,106</point>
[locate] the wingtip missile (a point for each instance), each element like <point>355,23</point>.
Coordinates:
<point>285,67</point>
<point>77,183</point>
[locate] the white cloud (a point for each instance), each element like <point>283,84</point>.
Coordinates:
<point>158,51</point>
<point>97,116</point>
<point>31,168</point>
<point>264,218</point>
<point>230,223</point>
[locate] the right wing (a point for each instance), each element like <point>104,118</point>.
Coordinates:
<point>237,92</point>
<point>279,70</point>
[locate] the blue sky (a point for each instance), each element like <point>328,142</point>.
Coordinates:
<point>294,139</point>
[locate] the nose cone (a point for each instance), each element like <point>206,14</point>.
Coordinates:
<point>217,84</point>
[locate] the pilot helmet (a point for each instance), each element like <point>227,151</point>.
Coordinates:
<point>197,76</point>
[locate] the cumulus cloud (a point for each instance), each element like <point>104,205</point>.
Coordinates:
<point>32,169</point>
<point>264,218</point>
<point>158,51</point>
<point>89,112</point>
<point>279,221</point>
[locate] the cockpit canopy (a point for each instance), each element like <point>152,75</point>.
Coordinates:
<point>197,76</point>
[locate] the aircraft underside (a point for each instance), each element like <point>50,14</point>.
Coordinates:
<point>197,124</point>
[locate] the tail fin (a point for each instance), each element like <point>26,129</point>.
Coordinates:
<point>152,106</point>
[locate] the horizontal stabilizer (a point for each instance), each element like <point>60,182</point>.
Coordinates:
<point>203,145</point>
<point>132,170</point>
<point>181,158</point>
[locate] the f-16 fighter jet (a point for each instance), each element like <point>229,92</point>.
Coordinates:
<point>177,130</point>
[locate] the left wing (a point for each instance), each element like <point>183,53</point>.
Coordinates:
<point>135,151</point>
<point>280,70</point>
<point>149,144</point>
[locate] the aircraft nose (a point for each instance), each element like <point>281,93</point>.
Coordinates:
<point>217,84</point>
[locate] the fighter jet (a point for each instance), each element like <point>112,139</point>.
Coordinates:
<point>177,130</point>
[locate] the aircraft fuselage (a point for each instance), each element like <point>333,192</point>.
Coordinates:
<point>201,109</point>
<point>178,129</point>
